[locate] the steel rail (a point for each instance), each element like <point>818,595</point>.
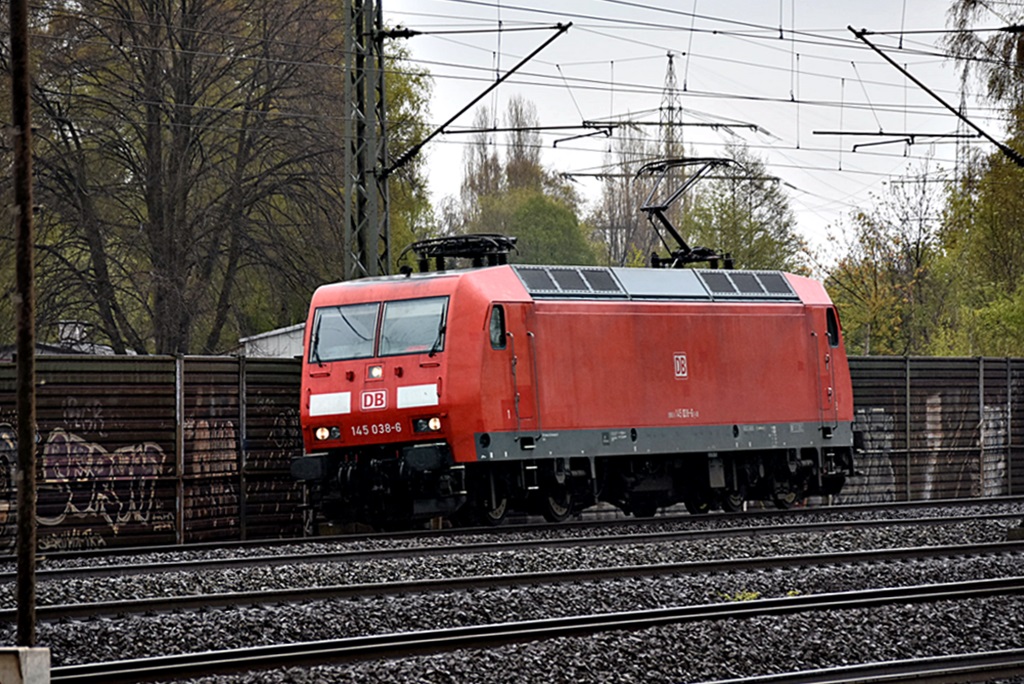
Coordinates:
<point>517,528</point>
<point>495,635</point>
<point>59,612</point>
<point>205,565</point>
<point>946,669</point>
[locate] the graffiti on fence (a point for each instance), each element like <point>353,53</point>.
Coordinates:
<point>83,480</point>
<point>211,446</point>
<point>959,450</point>
<point>995,451</point>
<point>211,461</point>
<point>287,432</point>
<point>83,415</point>
<point>876,478</point>
<point>952,457</point>
<point>284,439</point>
<point>8,462</point>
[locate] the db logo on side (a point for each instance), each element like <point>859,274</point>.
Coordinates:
<point>680,363</point>
<point>374,400</point>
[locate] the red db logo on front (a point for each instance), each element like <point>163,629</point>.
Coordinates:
<point>374,400</point>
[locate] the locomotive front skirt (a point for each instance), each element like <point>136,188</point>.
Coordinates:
<point>550,388</point>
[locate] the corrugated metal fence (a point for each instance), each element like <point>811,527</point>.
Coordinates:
<point>140,450</point>
<point>137,450</point>
<point>938,428</point>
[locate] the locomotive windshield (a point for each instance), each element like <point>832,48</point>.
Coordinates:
<point>413,325</point>
<point>348,332</point>
<point>343,332</point>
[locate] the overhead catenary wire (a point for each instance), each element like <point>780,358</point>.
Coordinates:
<point>618,88</point>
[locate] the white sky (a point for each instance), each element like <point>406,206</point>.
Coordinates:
<point>735,68</point>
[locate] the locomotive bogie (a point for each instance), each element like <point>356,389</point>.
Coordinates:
<point>549,389</point>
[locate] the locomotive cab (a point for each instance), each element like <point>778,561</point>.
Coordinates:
<point>373,425</point>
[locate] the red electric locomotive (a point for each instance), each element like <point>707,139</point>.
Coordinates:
<point>550,388</point>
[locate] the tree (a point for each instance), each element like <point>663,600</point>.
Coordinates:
<point>626,236</point>
<point>888,286</point>
<point>516,195</point>
<point>189,167</point>
<point>982,236</point>
<point>997,56</point>
<point>523,170</point>
<point>983,240</point>
<point>408,92</point>
<point>743,211</point>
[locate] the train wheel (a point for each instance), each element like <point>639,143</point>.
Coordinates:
<point>697,503</point>
<point>732,500</point>
<point>493,515</point>
<point>556,506</point>
<point>785,494</point>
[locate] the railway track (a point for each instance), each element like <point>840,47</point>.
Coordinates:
<point>463,581</point>
<point>496,635</point>
<point>148,566</point>
<point>306,594</point>
<point>719,523</point>
<point>955,669</point>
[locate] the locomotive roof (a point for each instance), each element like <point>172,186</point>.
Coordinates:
<point>655,283</point>
<point>601,283</point>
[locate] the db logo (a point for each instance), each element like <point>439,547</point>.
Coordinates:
<point>680,363</point>
<point>374,400</point>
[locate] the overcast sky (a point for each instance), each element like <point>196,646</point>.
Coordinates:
<point>787,67</point>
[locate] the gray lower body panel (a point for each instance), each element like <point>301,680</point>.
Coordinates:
<point>503,446</point>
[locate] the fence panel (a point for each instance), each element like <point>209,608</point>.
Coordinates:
<point>146,450</point>
<point>273,499</point>
<point>123,440</point>
<point>937,428</point>
<point>212,442</point>
<point>107,451</point>
<point>880,412</point>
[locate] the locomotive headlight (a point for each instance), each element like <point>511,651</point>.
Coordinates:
<point>432,424</point>
<point>322,433</point>
<point>375,372</point>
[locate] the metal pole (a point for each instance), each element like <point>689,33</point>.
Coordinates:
<point>179,447</point>
<point>25,477</point>
<point>981,426</point>
<point>242,439</point>
<point>1009,426</point>
<point>907,423</point>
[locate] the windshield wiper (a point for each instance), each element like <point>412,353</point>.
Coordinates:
<point>437,343</point>
<point>316,341</point>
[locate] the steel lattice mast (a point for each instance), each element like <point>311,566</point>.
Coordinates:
<point>670,116</point>
<point>367,234</point>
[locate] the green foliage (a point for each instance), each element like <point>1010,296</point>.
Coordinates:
<point>408,90</point>
<point>743,595</point>
<point>887,285</point>
<point>547,231</point>
<point>516,196</point>
<point>744,212</point>
<point>981,242</point>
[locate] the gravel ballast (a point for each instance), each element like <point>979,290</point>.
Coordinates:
<point>671,654</point>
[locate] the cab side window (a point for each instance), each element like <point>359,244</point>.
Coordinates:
<point>497,327</point>
<point>832,330</point>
